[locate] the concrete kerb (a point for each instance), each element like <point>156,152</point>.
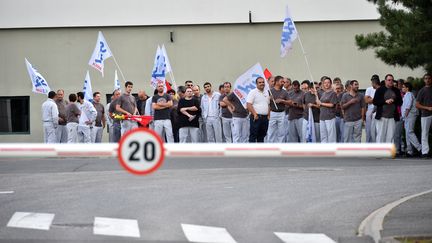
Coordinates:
<point>372,225</point>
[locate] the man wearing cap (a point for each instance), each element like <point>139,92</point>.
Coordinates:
<point>370,113</point>
<point>386,99</point>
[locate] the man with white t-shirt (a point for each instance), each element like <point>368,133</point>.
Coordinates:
<point>258,105</point>
<point>370,113</point>
<point>86,119</point>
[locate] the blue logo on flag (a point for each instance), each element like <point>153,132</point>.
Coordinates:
<point>287,31</point>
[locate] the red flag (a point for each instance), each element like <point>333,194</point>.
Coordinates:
<point>168,86</point>
<point>267,73</point>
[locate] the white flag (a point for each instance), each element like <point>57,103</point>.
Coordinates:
<point>168,68</point>
<point>87,90</point>
<point>289,33</point>
<point>310,131</point>
<point>167,62</point>
<point>116,82</point>
<point>40,85</point>
<point>159,69</point>
<point>100,53</point>
<point>247,82</point>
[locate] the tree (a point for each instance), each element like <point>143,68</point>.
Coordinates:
<point>407,40</point>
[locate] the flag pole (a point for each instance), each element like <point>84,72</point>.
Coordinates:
<point>304,55</point>
<point>121,73</point>
<point>173,80</point>
<point>271,94</point>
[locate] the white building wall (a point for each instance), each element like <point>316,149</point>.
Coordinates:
<point>83,13</point>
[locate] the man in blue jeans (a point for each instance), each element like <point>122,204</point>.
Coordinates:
<point>258,102</point>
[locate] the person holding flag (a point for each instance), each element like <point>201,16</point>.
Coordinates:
<point>276,132</point>
<point>295,116</point>
<point>311,129</point>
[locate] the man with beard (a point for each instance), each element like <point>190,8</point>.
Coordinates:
<point>161,103</point>
<point>353,104</point>
<point>226,115</point>
<point>276,129</point>
<point>100,121</point>
<point>210,114</point>
<point>258,105</point>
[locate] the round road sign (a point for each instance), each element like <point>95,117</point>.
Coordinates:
<point>141,151</point>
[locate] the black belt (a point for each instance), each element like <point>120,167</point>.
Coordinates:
<point>279,111</point>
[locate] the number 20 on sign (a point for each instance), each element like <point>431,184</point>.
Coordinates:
<point>141,151</point>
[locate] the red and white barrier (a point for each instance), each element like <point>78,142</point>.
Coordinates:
<point>375,150</point>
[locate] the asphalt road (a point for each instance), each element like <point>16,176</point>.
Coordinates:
<point>250,199</point>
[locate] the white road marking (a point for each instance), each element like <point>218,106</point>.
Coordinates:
<point>116,227</point>
<point>40,221</point>
<point>198,233</point>
<point>373,224</point>
<point>303,238</point>
<point>7,192</point>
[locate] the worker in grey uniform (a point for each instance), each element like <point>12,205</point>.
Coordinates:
<point>61,131</point>
<point>72,119</point>
<point>100,121</point>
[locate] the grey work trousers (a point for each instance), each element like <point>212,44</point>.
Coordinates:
<point>352,131</point>
<point>385,130</point>
<point>328,131</point>
<point>411,138</point>
<point>276,129</point>
<point>425,126</point>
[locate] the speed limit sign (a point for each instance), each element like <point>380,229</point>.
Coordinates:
<point>141,151</point>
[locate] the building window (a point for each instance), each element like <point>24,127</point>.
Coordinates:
<point>14,114</point>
